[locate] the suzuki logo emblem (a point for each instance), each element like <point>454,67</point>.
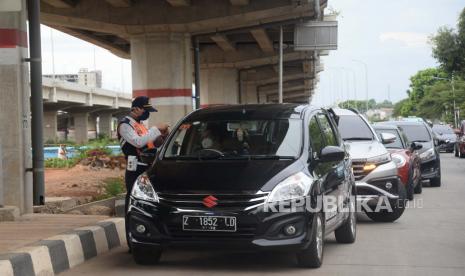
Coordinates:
<point>210,201</point>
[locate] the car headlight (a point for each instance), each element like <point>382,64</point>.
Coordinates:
<point>427,155</point>
<point>373,162</point>
<point>293,187</point>
<point>399,160</point>
<point>143,189</point>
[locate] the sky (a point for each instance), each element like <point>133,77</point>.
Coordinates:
<point>389,36</point>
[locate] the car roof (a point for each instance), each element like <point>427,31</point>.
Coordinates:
<point>342,112</point>
<point>385,126</point>
<point>252,111</point>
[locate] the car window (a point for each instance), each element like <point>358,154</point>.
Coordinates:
<point>328,131</point>
<point>352,127</point>
<point>237,138</point>
<point>416,133</point>
<point>397,143</point>
<point>316,137</point>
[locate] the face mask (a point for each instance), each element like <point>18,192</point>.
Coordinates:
<point>144,116</point>
<point>207,143</point>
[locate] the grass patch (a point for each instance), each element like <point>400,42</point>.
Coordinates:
<point>111,187</point>
<point>57,163</point>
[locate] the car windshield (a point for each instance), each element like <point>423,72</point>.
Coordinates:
<point>416,133</point>
<point>236,139</point>
<point>441,129</point>
<point>353,127</point>
<point>397,143</point>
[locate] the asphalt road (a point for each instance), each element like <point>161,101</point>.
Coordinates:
<point>424,241</point>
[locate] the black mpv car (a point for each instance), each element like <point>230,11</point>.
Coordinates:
<point>246,177</point>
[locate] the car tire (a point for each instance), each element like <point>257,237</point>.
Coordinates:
<point>398,207</point>
<point>419,188</point>
<point>435,182</point>
<point>410,185</point>
<point>347,232</point>
<point>312,256</point>
<point>456,152</point>
<point>146,256</point>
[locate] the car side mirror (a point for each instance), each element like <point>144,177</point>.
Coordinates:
<point>416,146</point>
<point>331,154</point>
<point>148,156</point>
<point>388,138</point>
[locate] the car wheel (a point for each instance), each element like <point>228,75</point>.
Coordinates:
<point>347,232</point>
<point>419,188</point>
<point>146,256</point>
<point>435,182</point>
<point>397,206</point>
<point>410,185</point>
<point>312,256</point>
<point>456,151</point>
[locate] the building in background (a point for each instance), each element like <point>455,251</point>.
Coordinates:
<point>83,77</point>
<point>64,77</point>
<point>90,78</point>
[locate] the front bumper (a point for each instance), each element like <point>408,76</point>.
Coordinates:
<point>430,169</point>
<point>256,229</point>
<point>381,182</point>
<point>447,147</point>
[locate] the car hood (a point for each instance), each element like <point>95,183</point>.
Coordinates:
<point>451,137</point>
<point>217,176</point>
<point>364,149</point>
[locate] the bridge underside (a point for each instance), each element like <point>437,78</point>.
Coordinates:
<point>238,40</point>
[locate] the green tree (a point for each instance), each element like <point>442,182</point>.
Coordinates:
<point>449,47</point>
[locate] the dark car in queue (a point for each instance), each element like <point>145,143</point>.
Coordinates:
<point>222,177</point>
<point>405,155</point>
<point>446,137</point>
<point>420,132</point>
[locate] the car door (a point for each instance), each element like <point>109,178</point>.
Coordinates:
<point>337,171</point>
<point>322,171</point>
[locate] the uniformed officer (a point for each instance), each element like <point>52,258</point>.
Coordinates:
<point>135,138</point>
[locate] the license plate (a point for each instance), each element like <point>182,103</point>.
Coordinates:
<point>209,223</point>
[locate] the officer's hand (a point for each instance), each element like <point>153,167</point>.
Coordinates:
<point>163,128</point>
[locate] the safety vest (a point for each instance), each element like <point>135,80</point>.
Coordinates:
<point>141,130</point>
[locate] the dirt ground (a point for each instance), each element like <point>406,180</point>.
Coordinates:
<point>77,182</point>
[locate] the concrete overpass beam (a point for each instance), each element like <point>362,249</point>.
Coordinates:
<point>263,40</point>
<point>81,126</point>
<point>179,3</point>
<point>239,2</point>
<point>162,70</point>
<point>15,137</point>
<point>50,125</point>
<point>120,3</point>
<point>223,42</point>
<point>62,4</point>
<point>219,86</point>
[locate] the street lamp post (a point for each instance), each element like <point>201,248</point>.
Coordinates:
<point>366,79</point>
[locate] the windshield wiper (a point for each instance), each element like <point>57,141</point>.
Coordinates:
<point>357,139</point>
<point>271,157</point>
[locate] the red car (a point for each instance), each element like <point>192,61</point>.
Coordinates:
<point>406,158</point>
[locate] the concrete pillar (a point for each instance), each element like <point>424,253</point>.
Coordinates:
<point>162,70</point>
<point>105,122</point>
<point>50,125</point>
<point>15,137</point>
<point>92,126</point>
<point>81,125</point>
<point>219,86</point>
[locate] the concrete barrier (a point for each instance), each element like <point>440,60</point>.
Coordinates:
<point>62,252</point>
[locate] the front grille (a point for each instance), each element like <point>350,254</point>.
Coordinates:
<point>225,202</point>
<point>357,167</point>
<point>228,204</point>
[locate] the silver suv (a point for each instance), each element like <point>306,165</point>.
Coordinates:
<point>375,173</point>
